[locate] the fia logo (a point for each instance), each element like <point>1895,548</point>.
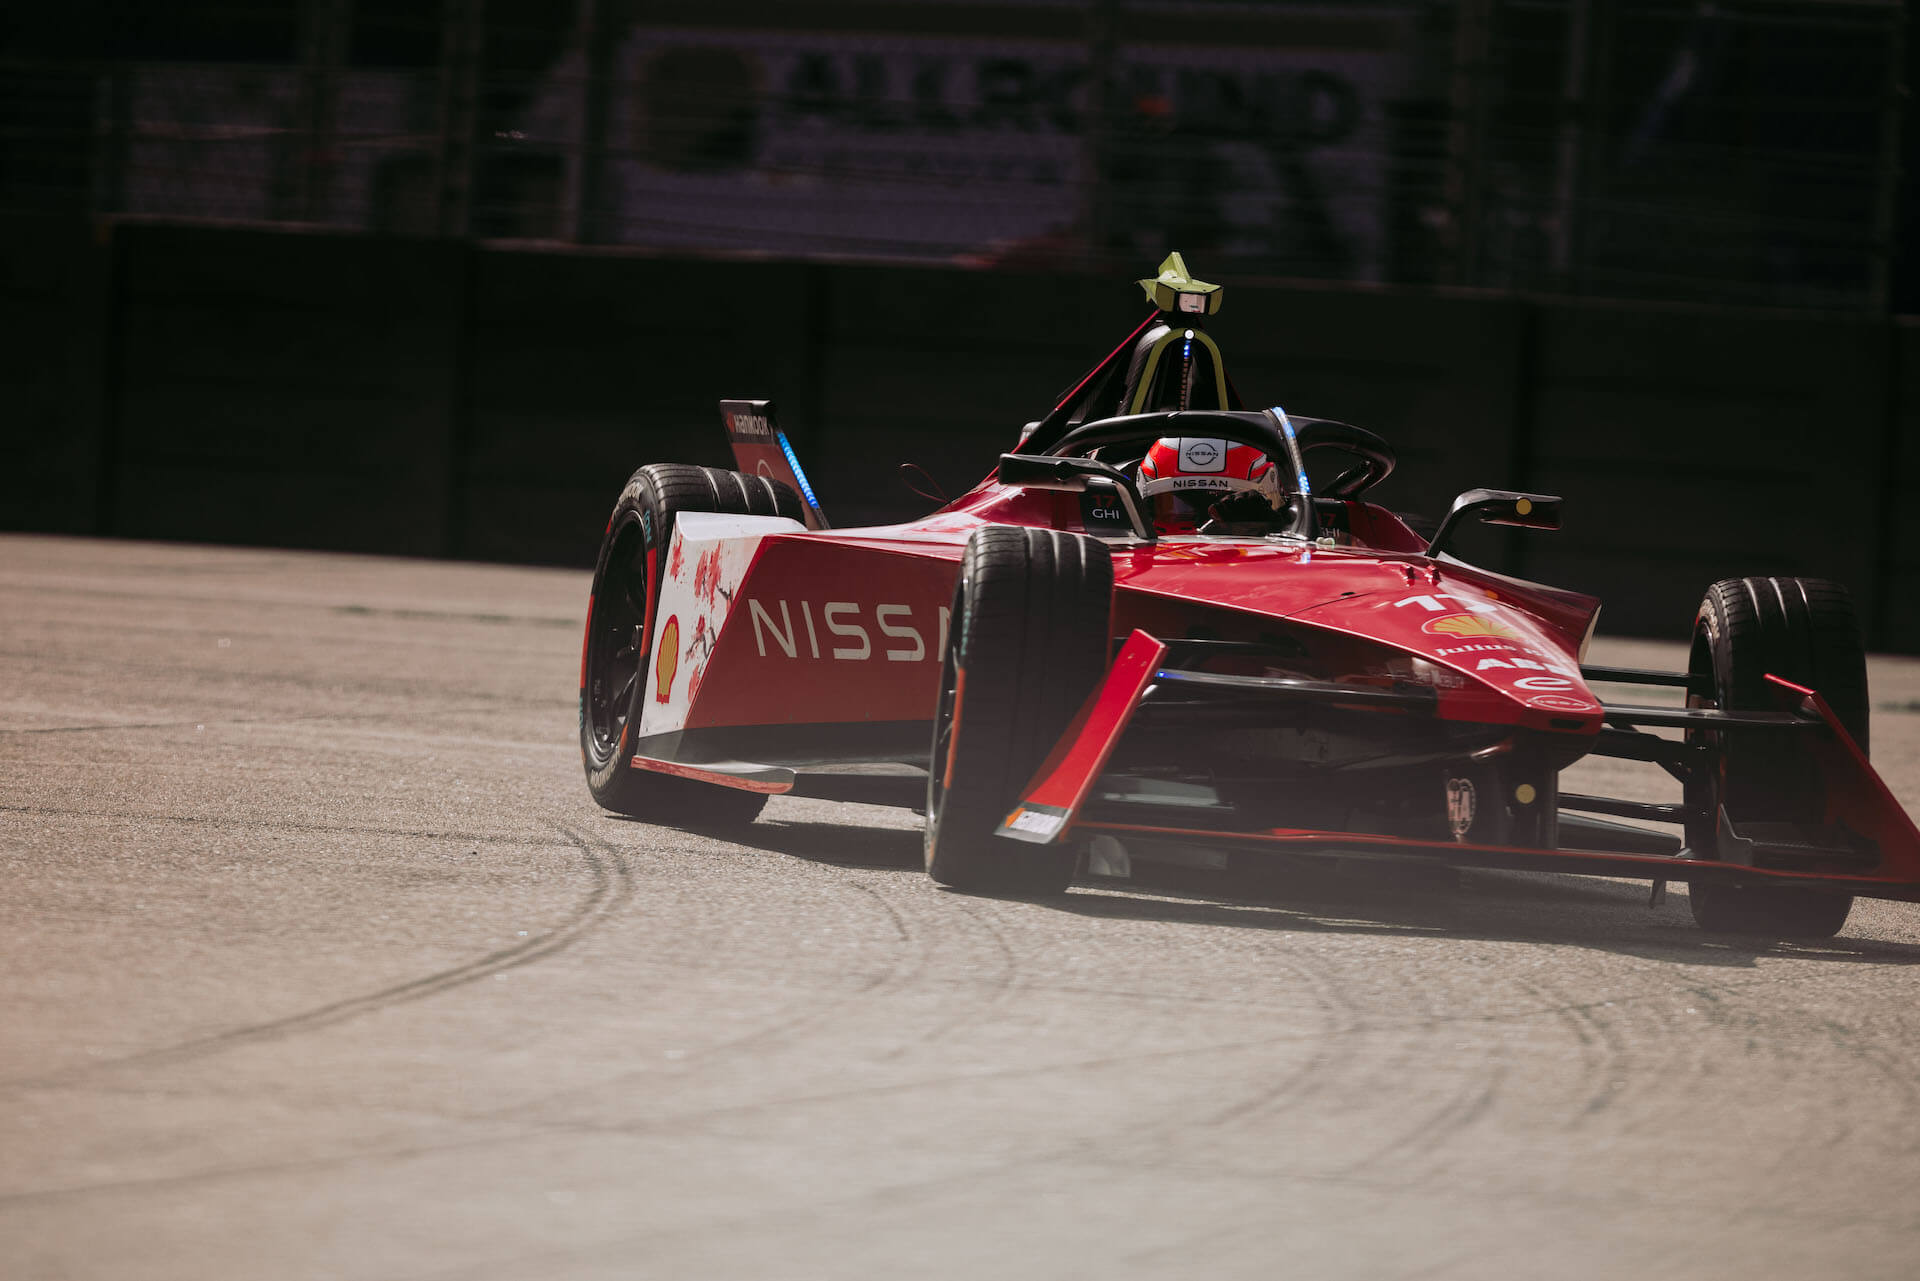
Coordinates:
<point>1460,807</point>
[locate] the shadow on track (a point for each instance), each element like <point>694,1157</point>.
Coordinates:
<point>1359,897</point>
<point>1376,898</point>
<point>839,845</point>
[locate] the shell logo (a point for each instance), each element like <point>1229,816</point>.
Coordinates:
<point>668,661</point>
<point>1469,625</point>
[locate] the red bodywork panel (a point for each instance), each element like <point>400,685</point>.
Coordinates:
<point>831,628</point>
<point>1514,647</point>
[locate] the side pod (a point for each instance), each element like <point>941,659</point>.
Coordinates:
<point>1050,801</point>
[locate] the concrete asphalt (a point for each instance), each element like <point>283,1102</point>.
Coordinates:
<point>319,962</point>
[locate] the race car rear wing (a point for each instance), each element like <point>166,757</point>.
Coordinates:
<point>762,449</point>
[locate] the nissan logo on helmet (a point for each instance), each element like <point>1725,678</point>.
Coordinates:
<point>1201,454</point>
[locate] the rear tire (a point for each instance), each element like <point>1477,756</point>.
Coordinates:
<point>1029,642</point>
<point>1802,630</point>
<point>618,646</point>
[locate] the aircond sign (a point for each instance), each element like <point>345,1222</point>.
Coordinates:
<point>937,145</point>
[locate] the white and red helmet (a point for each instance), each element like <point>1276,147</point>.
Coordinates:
<point>1182,476</point>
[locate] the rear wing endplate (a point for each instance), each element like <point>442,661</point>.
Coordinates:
<point>760,448</point>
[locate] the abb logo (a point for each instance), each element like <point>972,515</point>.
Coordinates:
<point>1514,660</point>
<point>844,630</point>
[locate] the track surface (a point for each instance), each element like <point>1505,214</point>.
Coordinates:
<point>319,963</point>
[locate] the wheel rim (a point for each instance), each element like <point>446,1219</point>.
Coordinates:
<point>616,642</point>
<point>1703,790</point>
<point>942,739</point>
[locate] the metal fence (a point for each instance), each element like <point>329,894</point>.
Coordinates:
<point>1744,152</point>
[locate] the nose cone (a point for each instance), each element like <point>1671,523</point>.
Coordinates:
<point>1495,647</point>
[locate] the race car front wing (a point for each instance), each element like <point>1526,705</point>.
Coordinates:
<point>1867,845</point>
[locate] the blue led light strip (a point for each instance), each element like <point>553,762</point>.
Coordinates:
<point>793,461</point>
<point>1286,425</point>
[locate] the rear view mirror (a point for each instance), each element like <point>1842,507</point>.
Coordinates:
<point>1498,507</point>
<point>1043,471</point>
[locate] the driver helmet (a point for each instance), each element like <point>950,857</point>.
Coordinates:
<point>1182,477</point>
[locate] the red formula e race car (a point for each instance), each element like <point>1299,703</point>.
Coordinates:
<point>1148,630</point>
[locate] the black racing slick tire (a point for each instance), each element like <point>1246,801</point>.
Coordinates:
<point>1029,642</point>
<point>1802,630</point>
<point>620,628</point>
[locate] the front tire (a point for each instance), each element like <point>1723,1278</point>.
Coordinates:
<point>619,640</point>
<point>1030,640</point>
<point>1802,630</point>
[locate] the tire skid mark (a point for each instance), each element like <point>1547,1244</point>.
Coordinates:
<point>540,1129</point>
<point>202,722</point>
<point>614,1253</point>
<point>1414,1155</point>
<point>760,1040</point>
<point>1678,1040</point>
<point>1794,1020</point>
<point>1675,1039</point>
<point>1672,1060</point>
<point>1594,1049</point>
<point>889,976</point>
<point>1331,1049</point>
<point>1605,1060</point>
<point>612,886</point>
<point>694,1120</point>
<point>257,1169</point>
<point>1458,1110</point>
<point>756,1041</point>
<point>1170,1138</point>
<point>893,914</point>
<point>1334,1047</point>
<point>1890,1066</point>
<point>1787,1001</point>
<point>309,718</point>
<point>998,989</point>
<point>1643,1044</point>
<point>281,825</point>
<point>1634,1050</point>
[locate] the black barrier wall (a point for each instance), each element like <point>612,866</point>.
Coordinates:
<point>439,398</point>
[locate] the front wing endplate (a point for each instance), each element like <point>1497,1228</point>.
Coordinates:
<point>1057,790</point>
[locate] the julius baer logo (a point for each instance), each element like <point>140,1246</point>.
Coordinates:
<point>1488,642</point>
<point>847,630</point>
